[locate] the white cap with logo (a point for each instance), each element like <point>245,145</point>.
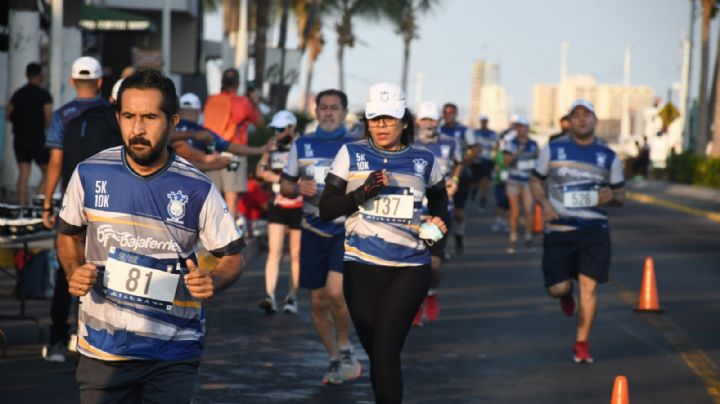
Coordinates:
<point>190,101</point>
<point>429,110</point>
<point>581,103</point>
<point>385,99</point>
<point>283,119</point>
<point>86,68</point>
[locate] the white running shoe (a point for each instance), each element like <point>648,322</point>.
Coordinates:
<point>350,368</point>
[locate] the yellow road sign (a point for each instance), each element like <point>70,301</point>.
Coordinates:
<point>668,114</point>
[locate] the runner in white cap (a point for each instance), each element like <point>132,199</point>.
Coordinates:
<point>380,183</point>
<point>582,175</point>
<point>284,215</point>
<point>447,151</point>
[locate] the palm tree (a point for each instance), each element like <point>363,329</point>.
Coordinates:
<point>708,7</point>
<point>346,10</point>
<point>309,26</point>
<point>404,15</point>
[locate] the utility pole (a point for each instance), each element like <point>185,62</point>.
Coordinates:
<point>166,37</point>
<point>241,45</point>
<point>687,78</point>
<point>625,111</point>
<point>56,34</point>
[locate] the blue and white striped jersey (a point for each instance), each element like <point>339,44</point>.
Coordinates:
<point>522,167</point>
<point>385,231</point>
<point>488,142</point>
<point>574,173</point>
<point>310,157</point>
<point>140,230</point>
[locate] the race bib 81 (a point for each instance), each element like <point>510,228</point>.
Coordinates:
<point>139,279</point>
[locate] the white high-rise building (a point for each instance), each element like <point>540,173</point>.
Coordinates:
<point>487,96</point>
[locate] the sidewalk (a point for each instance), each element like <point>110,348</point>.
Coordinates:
<point>699,201</point>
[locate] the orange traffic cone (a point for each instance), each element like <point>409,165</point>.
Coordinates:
<point>538,220</point>
<point>620,394</point>
<point>648,301</point>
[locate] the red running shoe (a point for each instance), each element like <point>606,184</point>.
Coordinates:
<point>581,352</point>
<point>567,303</point>
<point>417,321</point>
<point>432,309</point>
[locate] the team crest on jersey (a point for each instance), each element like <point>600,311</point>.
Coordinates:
<point>445,151</point>
<point>419,165</point>
<point>561,153</point>
<point>176,206</point>
<point>600,158</point>
<point>309,150</point>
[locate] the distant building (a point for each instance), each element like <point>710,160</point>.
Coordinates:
<point>550,102</point>
<point>487,96</point>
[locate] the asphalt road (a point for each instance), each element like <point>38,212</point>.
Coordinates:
<point>499,339</point>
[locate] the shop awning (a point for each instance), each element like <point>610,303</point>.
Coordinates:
<point>107,19</point>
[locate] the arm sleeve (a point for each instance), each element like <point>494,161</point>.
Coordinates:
<point>72,212</point>
<point>617,180</point>
<point>218,232</point>
<point>340,166</point>
<point>56,134</point>
<point>438,202</point>
<point>334,202</point>
<point>291,170</point>
<point>542,166</point>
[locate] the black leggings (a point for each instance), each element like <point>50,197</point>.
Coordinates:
<point>382,302</point>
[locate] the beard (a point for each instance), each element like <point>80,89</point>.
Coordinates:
<point>150,157</point>
<point>583,134</point>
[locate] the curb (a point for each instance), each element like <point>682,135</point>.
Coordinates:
<point>652,200</point>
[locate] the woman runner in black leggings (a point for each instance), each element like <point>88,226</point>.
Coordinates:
<point>379,183</point>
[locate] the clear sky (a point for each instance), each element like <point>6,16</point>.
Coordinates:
<point>524,37</point>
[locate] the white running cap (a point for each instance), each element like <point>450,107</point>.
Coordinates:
<point>385,99</point>
<point>283,119</point>
<point>116,89</point>
<point>521,120</point>
<point>580,102</point>
<point>86,68</point>
<point>190,101</point>
<point>429,110</point>
<point>483,118</point>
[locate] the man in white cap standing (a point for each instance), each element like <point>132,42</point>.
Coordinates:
<point>582,176</point>
<point>78,130</point>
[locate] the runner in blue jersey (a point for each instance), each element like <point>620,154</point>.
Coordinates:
<point>582,175</point>
<point>482,166</point>
<point>380,183</point>
<point>464,135</point>
<point>140,210</point>
<point>321,241</point>
<point>520,156</point>
<point>448,154</point>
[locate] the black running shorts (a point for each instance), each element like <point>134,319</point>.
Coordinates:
<point>584,251</point>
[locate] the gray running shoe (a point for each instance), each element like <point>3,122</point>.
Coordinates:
<point>350,368</point>
<point>290,305</point>
<point>268,305</point>
<point>333,375</point>
<point>55,353</point>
